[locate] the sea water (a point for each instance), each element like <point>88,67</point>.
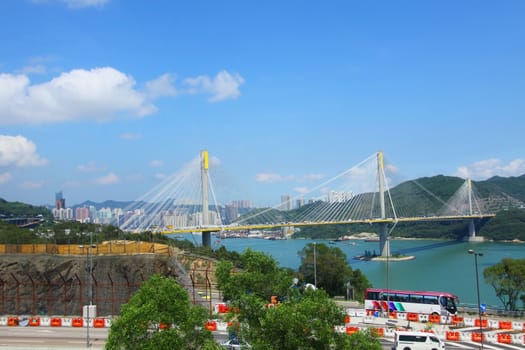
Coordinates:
<point>437,265</point>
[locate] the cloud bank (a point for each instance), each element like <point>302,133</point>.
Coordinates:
<point>18,151</point>
<point>488,168</point>
<point>100,94</point>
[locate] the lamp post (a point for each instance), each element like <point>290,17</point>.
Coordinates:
<point>89,269</point>
<point>315,266</point>
<point>476,254</point>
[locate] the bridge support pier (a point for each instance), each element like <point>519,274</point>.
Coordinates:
<point>206,239</point>
<point>472,233</point>
<point>384,242</point>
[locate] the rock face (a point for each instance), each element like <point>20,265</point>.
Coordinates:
<point>60,285</point>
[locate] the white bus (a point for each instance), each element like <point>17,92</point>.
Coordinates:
<point>405,340</point>
<point>420,302</point>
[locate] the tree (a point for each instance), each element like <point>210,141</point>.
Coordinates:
<point>508,280</point>
<point>304,323</point>
<point>260,275</point>
<point>331,270</point>
<point>160,316</point>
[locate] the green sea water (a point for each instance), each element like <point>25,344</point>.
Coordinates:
<point>438,265</point>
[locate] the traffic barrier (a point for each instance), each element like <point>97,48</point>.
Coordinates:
<point>434,318</point>
<point>221,308</point>
<point>457,320</point>
<point>34,322</point>
<point>446,320</point>
<point>67,322</point>
<point>492,324</point>
<point>423,317</point>
<point>393,315</point>
<point>222,326</point>
<point>402,316</point>
<point>505,325</point>
<point>45,321</point>
<point>211,325</point>
<point>469,322</point>
<point>161,325</point>
<point>483,323</point>
<point>351,330</point>
<point>465,336</point>
<point>56,322</point>
<point>107,322</point>
<point>347,319</point>
<point>504,338</point>
<point>77,322</point>
<point>518,326</point>
<point>3,321</point>
<point>100,323</point>
<point>411,316</point>
<point>12,321</point>
<point>518,339</point>
<point>478,337</point>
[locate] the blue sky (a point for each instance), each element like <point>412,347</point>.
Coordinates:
<point>103,98</point>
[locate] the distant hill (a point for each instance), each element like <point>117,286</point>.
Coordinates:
<point>22,210</point>
<point>106,204</point>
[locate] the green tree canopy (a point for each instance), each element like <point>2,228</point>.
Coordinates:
<point>260,275</point>
<point>329,267</point>
<point>508,280</point>
<point>305,323</point>
<point>160,301</point>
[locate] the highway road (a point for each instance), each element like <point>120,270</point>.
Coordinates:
<point>40,338</point>
<point>47,338</point>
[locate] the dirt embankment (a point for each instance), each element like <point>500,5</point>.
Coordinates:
<point>60,285</point>
<point>51,284</point>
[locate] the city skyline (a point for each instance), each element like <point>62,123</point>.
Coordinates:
<point>103,99</point>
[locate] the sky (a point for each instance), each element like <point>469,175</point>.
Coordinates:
<point>102,99</point>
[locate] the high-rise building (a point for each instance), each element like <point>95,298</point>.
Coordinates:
<point>60,201</point>
<point>286,202</point>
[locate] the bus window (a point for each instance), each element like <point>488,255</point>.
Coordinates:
<point>416,299</point>
<point>373,295</point>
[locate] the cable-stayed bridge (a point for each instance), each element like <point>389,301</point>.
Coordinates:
<point>186,202</point>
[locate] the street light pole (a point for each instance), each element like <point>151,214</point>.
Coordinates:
<point>476,254</point>
<point>90,293</point>
<point>315,267</point>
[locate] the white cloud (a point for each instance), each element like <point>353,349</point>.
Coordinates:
<point>274,177</point>
<point>19,151</point>
<point>130,136</point>
<point>99,93</point>
<point>88,167</point>
<point>30,185</point>
<point>162,86</point>
<point>488,168</point>
<point>268,177</point>
<point>109,179</point>
<point>222,87</point>
<point>302,190</point>
<point>75,3</point>
<point>5,178</point>
<point>34,69</point>
<point>85,3</point>
<point>156,163</point>
<point>160,176</point>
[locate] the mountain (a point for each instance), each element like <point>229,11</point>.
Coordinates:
<point>106,204</point>
<point>22,210</point>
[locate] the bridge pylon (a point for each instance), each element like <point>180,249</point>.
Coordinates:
<point>384,242</point>
<point>471,225</point>
<point>206,235</point>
